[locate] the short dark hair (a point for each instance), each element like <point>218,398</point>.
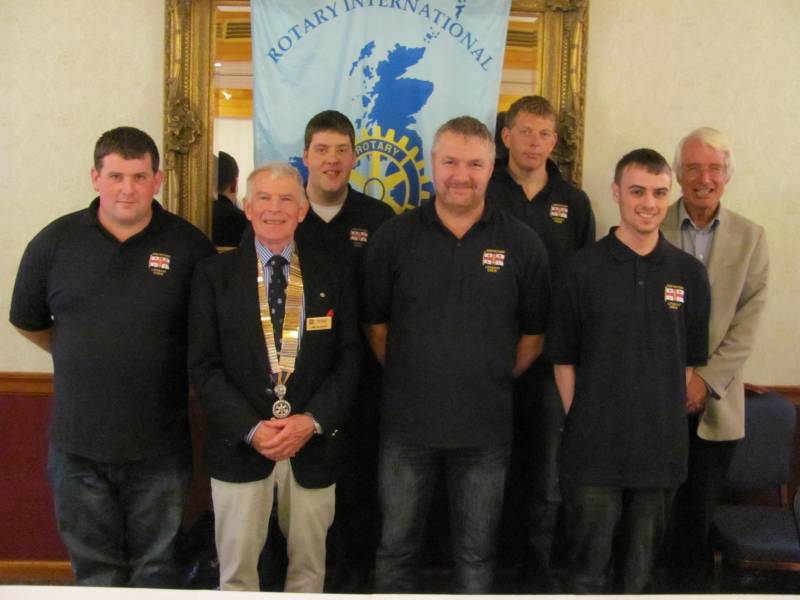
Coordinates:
<point>329,120</point>
<point>536,105</point>
<point>227,171</point>
<point>468,127</point>
<point>129,143</point>
<point>650,160</point>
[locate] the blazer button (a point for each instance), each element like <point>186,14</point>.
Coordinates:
<point>269,392</point>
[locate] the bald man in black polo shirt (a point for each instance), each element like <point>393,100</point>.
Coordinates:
<point>630,321</point>
<point>457,301</point>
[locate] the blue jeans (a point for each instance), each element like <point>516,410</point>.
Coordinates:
<point>119,521</point>
<point>407,479</point>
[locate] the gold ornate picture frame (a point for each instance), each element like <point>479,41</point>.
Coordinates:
<point>189,97</point>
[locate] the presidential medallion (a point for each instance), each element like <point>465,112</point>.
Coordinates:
<point>281,409</point>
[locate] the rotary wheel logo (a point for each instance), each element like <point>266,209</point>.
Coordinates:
<point>388,170</point>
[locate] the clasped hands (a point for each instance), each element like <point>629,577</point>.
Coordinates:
<point>279,439</point>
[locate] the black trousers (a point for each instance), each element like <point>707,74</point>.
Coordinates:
<point>690,558</point>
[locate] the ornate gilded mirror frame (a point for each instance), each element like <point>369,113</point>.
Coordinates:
<point>188,102</point>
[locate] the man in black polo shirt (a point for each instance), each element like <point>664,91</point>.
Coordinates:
<point>529,185</point>
<point>629,322</point>
<point>457,301</point>
<point>105,290</point>
<point>341,222</point>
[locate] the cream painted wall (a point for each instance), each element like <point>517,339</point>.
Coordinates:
<point>660,68</point>
<point>72,70</point>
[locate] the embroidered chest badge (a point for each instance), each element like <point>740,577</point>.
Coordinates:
<point>358,236</point>
<point>493,260</point>
<point>674,296</point>
<point>559,212</point>
<point>158,263</point>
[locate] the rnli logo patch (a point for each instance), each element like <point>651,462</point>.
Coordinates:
<point>158,263</point>
<point>559,212</point>
<point>358,236</point>
<point>493,260</point>
<point>674,296</point>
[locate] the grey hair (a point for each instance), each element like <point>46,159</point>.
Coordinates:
<point>710,137</point>
<point>276,169</point>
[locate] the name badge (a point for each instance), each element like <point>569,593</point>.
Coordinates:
<point>318,323</point>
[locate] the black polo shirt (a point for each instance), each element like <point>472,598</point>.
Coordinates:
<point>455,310</point>
<point>348,233</point>
<point>560,213</point>
<point>631,325</point>
<point>119,318</point>
<point>228,222</point>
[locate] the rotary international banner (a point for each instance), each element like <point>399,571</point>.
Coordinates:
<point>397,68</point>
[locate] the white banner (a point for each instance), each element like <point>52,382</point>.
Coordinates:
<point>397,68</point>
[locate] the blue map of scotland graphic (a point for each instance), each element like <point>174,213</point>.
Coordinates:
<point>390,150</point>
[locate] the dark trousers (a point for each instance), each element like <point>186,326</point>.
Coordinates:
<point>353,537</point>
<point>695,503</point>
<point>612,527</point>
<point>119,521</point>
<point>540,420</point>
<point>407,476</point>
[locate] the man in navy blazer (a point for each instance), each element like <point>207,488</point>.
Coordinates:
<point>273,353</point>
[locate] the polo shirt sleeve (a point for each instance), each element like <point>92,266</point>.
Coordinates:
<point>29,306</point>
<point>698,311</point>
<point>535,289</point>
<point>378,277</point>
<point>562,343</point>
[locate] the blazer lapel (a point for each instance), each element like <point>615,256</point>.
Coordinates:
<point>248,313</point>
<point>719,247</point>
<point>671,226</point>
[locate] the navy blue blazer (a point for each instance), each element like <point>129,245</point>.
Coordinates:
<point>229,368</point>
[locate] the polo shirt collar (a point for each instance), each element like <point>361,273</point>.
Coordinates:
<point>686,221</point>
<point>622,253</point>
<point>553,174</point>
<point>156,224</point>
<point>347,206</point>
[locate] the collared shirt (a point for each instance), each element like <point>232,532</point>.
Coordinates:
<point>560,213</point>
<point>118,311</point>
<point>630,325</point>
<point>347,234</point>
<point>694,240</point>
<point>455,309</point>
<point>264,254</point>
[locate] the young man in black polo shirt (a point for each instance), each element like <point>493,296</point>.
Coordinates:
<point>105,290</point>
<point>529,185</point>
<point>341,222</point>
<point>457,301</point>
<point>630,321</point>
